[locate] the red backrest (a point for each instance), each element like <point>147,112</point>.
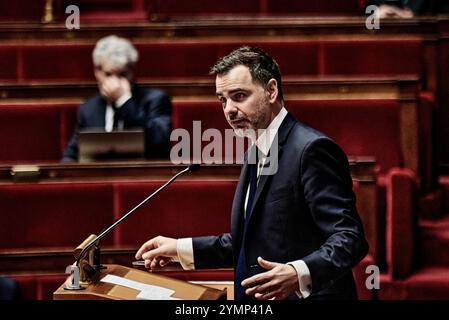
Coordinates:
<point>35,132</point>
<point>39,286</point>
<point>202,7</point>
<point>205,7</point>
<point>54,214</point>
<point>201,208</point>
<point>318,7</point>
<point>69,62</point>
<point>22,10</point>
<point>384,57</point>
<point>175,59</point>
<point>193,58</point>
<point>360,127</point>
<point>207,116</point>
<point>8,63</point>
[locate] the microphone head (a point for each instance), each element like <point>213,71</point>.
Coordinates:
<point>194,167</point>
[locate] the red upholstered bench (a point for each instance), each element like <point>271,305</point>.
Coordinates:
<point>175,8</point>
<point>64,214</point>
<point>401,222</point>
<point>39,286</point>
<point>319,7</point>
<point>22,10</point>
<point>382,57</point>
<point>362,128</point>
<point>193,58</point>
<point>69,62</point>
<point>9,62</point>
<point>360,272</point>
<point>186,208</point>
<point>35,132</point>
<point>53,214</point>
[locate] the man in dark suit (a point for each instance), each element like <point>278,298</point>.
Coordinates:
<point>295,230</point>
<point>122,104</point>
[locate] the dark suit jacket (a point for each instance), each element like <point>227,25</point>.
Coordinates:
<point>306,210</point>
<point>148,108</point>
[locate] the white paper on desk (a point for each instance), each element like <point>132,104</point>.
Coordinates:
<point>151,295</point>
<point>147,291</point>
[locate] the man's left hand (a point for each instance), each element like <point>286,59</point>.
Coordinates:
<point>278,283</point>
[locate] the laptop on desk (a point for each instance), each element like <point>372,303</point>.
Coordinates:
<point>98,145</point>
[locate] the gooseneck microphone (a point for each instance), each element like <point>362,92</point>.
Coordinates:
<point>190,168</point>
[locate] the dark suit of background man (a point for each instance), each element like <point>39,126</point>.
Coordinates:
<point>295,231</point>
<point>121,103</point>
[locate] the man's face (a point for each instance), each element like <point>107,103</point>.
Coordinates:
<point>246,104</point>
<point>107,71</point>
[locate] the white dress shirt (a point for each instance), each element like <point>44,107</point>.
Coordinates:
<point>263,143</point>
<point>109,115</point>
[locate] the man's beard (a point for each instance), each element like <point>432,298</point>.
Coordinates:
<point>249,133</point>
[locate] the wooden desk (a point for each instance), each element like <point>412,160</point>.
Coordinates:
<point>99,290</point>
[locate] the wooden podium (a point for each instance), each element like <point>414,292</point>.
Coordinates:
<point>98,290</point>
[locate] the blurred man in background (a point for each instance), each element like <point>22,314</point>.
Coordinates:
<point>122,104</point>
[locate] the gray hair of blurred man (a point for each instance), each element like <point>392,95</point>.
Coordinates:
<point>117,51</point>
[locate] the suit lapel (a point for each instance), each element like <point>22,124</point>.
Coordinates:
<point>268,170</point>
<point>100,114</point>
<point>238,203</point>
<point>237,221</point>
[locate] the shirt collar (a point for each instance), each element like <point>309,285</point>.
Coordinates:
<point>266,138</point>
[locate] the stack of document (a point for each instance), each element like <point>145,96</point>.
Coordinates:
<point>147,291</point>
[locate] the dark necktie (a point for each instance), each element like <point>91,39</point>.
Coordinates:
<point>241,271</point>
<point>116,116</point>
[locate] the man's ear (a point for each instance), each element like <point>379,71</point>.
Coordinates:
<point>272,89</point>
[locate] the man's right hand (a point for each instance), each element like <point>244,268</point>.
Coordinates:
<point>113,87</point>
<point>158,251</point>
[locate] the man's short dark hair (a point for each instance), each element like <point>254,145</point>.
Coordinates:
<point>261,66</point>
